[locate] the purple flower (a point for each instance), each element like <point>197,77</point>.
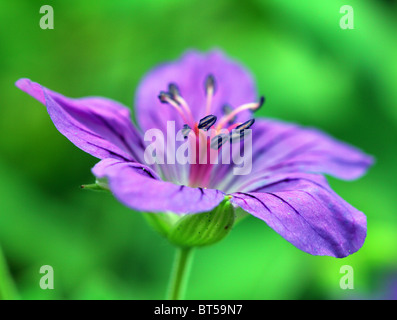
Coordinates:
<point>286,188</point>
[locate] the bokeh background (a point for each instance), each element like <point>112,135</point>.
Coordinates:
<point>312,72</point>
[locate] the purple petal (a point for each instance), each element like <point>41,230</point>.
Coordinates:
<point>283,147</point>
<point>99,126</point>
<point>234,86</point>
<point>306,212</point>
<point>139,188</point>
<point>294,148</point>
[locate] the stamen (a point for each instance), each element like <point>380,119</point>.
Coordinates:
<point>245,125</point>
<point>249,106</point>
<point>176,96</point>
<point>227,109</point>
<point>233,126</point>
<point>210,84</point>
<point>239,132</point>
<point>210,91</point>
<point>186,130</point>
<point>207,122</point>
<point>262,101</point>
<point>218,141</point>
<point>166,97</point>
<point>236,136</point>
<point>174,90</point>
<point>200,171</point>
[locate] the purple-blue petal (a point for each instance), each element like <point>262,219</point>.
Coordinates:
<point>234,86</point>
<point>138,187</point>
<point>99,126</point>
<point>283,147</point>
<point>304,210</point>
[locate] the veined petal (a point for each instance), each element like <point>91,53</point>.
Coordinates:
<point>234,86</point>
<point>139,187</point>
<point>306,212</point>
<point>283,147</point>
<point>99,126</point>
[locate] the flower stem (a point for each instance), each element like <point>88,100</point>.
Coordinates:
<point>180,273</point>
<point>7,289</point>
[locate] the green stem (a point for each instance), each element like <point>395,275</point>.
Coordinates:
<point>7,289</point>
<point>180,273</point>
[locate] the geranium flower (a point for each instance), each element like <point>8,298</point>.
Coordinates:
<point>285,188</point>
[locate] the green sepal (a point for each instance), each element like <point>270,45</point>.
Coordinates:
<point>161,222</point>
<point>240,215</point>
<point>202,229</point>
<point>99,185</point>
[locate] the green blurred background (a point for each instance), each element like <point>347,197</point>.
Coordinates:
<point>312,72</point>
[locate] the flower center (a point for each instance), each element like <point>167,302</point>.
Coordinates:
<point>202,135</point>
